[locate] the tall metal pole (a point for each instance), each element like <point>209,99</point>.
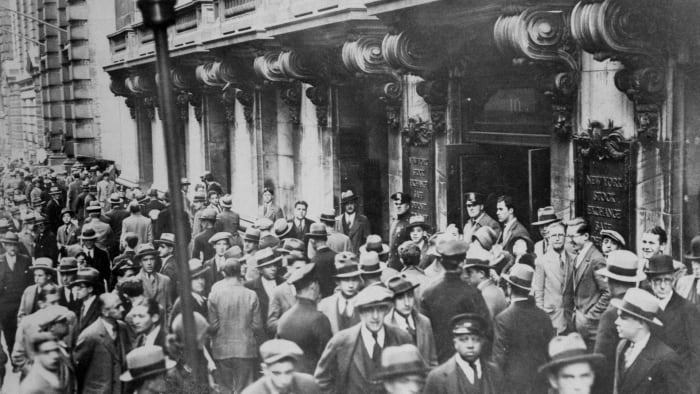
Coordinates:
<point>158,15</point>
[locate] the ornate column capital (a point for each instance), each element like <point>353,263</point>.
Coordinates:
<point>410,52</point>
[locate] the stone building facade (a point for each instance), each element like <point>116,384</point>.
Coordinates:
<point>586,105</point>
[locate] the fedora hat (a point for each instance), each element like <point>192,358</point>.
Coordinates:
<point>640,304</point>
<point>88,234</point>
<point>226,201</point>
<point>476,261</point>
<point>66,211</point>
<point>54,190</point>
<point>43,263</point>
<point>417,221</point>
<point>28,217</point>
<point>568,349</point>
<point>372,296</point>
<point>87,275</point>
<point>520,276</point>
<point>263,224</point>
<point>208,214</point>
<point>269,241</point>
<point>469,324</point>
<point>307,272</point>
<point>234,251</point>
<point>317,230</point>
<point>486,237</point>
<point>124,264</point>
<point>39,218</point>
<point>265,257</point>
<point>614,235</point>
<point>374,244</point>
<point>399,284</point>
<point>694,249</point>
<point>474,198</point>
<point>281,227</point>
<point>220,236</point>
<point>145,250</point>
<point>453,249</point>
<point>347,196</point>
<point>20,199</point>
<point>622,265</point>
<point>37,201</point>
<point>145,361</point>
<point>659,265</point>
<point>346,265</point>
<point>115,198</point>
<point>199,197</point>
<point>276,350</point>
<point>4,224</point>
<point>184,181</point>
<point>68,265</point>
<point>545,216</point>
<point>400,361</point>
<point>327,217</point>
<point>369,263</point>
<point>291,244</point>
<point>167,239</point>
<point>9,238</point>
<point>252,235</point>
<point>196,268</point>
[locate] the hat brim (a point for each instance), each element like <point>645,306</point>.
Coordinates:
<point>640,276</point>
<point>79,281</point>
<point>128,377</point>
<point>287,231</point>
<point>139,256</point>
<point>67,270</point>
<point>349,199</point>
<point>649,272</point>
<point>88,238</point>
<point>159,242</point>
<point>595,358</point>
<point>250,239</point>
<point>7,241</point>
<point>374,272</point>
<point>32,268</point>
<point>506,277</point>
<point>403,371</point>
<point>545,222</point>
<point>406,290</point>
<point>199,272</point>
<point>620,304</point>
<point>347,275</point>
<point>385,249</point>
<point>268,263</point>
<point>422,225</point>
<point>312,235</point>
<point>691,257</point>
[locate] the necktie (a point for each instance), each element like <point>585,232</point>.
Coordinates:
<point>472,365</point>
<point>693,296</point>
<point>376,350</point>
<point>82,310</point>
<point>411,330</point>
<point>628,356</point>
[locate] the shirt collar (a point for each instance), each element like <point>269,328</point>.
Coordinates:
<point>368,338</point>
<point>642,343</point>
<point>664,301</point>
<point>484,284</point>
<point>466,368</point>
<point>584,250</point>
<point>151,336</point>
<point>108,326</point>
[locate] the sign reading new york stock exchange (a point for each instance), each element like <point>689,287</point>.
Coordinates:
<point>605,188</point>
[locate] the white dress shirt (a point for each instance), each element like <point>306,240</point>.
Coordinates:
<point>150,338</point>
<point>404,323</point>
<point>635,349</point>
<point>349,219</point>
<point>268,285</point>
<point>467,369</point>
<point>368,339</point>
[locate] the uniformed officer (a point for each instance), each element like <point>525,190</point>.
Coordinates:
<point>398,233</point>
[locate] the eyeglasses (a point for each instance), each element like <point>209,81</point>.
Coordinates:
<point>662,280</point>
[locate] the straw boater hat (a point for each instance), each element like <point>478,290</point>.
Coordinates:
<point>545,216</point>
<point>167,239</point>
<point>252,235</point>
<point>614,235</point>
<point>640,304</point>
<point>369,263</point>
<point>145,361</point>
<point>401,360</point>
<point>317,230</point>
<point>281,228</point>
<point>569,349</point>
<point>622,265</point>
<point>374,243</point>
<point>265,257</point>
<point>9,238</point>
<point>226,201</point>
<point>68,265</point>
<point>346,265</point>
<point>88,234</point>
<point>327,217</point>
<point>347,196</point>
<point>520,276</point>
<point>43,263</point>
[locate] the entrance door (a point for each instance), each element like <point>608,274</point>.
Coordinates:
<point>495,170</point>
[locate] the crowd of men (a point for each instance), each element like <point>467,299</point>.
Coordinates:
<point>90,302</point>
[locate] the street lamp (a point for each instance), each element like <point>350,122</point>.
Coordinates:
<point>158,15</point>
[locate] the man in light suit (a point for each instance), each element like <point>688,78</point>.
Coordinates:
<point>100,352</point>
<point>552,271</point>
<point>339,307</point>
<point>267,265</point>
<point>405,316</point>
<point>478,217</point>
<point>586,296</point>
<point>352,223</point>
<point>137,223</point>
<point>269,209</point>
<point>353,356</point>
<point>643,363</point>
<point>155,285</point>
<point>512,228</point>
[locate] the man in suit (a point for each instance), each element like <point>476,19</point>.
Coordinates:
<point>269,209</point>
<point>44,374</point>
<point>478,274</point>
<point>284,295</point>
<point>622,274</point>
<point>398,233</point>
<point>137,223</point>
<point>449,296</point>
<point>168,265</point>
<point>324,257</point>
<point>301,225</point>
<point>303,324</point>
<point>201,247</point>
<point>680,318</point>
<point>643,363</point>
<point>405,316</point>
<point>236,327</point>
<point>512,228</point>
<point>478,217</point>
<point>67,271</point>
<point>571,367</point>
<point>469,371</point>
<point>352,223</point>
<point>522,333</point>
<point>402,370</point>
<point>68,233</point>
<point>353,355</point>
<point>95,257</point>
<point>86,287</point>
<point>280,363</point>
<point>221,242</point>
<point>155,285</point>
<point>340,306</point>
<point>116,215</point>
<point>53,209</point>
<point>337,241</point>
<point>45,244</point>
<point>586,295</point>
<point>14,278</point>
<point>198,283</point>
<point>545,217</point>
<point>227,220</point>
<point>100,352</point>
<point>148,324</point>
<point>267,264</point>
<point>552,271</point>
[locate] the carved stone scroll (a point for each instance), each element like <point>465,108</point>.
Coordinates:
<point>291,96</point>
<point>318,95</point>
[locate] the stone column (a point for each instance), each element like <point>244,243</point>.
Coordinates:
<point>160,170</point>
<point>195,148</point>
<point>244,173</point>
<point>217,139</point>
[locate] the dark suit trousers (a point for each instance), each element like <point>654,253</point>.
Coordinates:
<point>8,320</point>
<point>235,374</point>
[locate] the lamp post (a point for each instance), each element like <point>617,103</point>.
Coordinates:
<point>158,15</point>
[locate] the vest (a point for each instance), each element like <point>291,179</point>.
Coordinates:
<point>356,383</point>
<point>465,386</point>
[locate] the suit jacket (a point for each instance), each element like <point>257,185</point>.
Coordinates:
<point>548,286</point>
<point>397,235</point>
<point>68,234</point>
<point>680,332</point>
<point>522,335</point>
<point>53,214</point>
<point>483,221</point>
<point>99,360</point>
<point>302,383</point>
<point>140,225</point>
<point>228,221</point>
<point>606,341</point>
<point>46,246</point>
<point>283,298</point>
<point>657,369</point>
<point>493,296</point>
<point>272,212</point>
<point>444,379</point>
<point>92,314</point>
<point>159,289</point>
<point>587,292</point>
<point>684,286</point>
<point>425,341</point>
<point>36,383</point>
<point>325,269</point>
<point>300,232</point>
<point>515,230</point>
<point>115,217</point>
<point>201,246</point>
<point>100,261</point>
<point>329,307</point>
<point>308,328</point>
<point>345,349</point>
<point>13,282</point>
<point>263,299</point>
<point>234,315</point>
<point>357,233</point>
<point>27,305</point>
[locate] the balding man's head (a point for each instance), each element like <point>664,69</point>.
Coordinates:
<point>111,306</point>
